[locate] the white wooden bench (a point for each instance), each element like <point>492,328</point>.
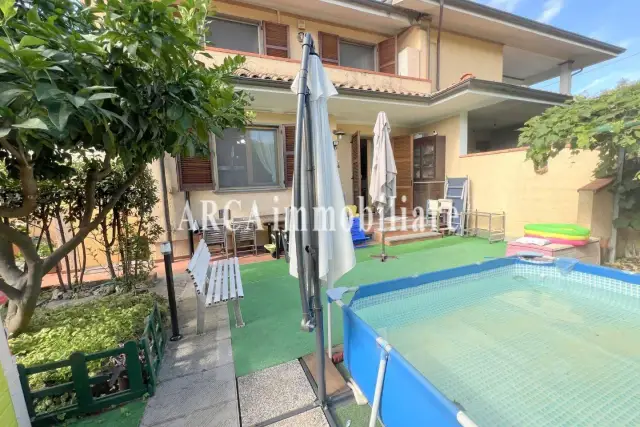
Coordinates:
<point>215,283</point>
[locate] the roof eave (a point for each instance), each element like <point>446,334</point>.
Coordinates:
<point>492,13</point>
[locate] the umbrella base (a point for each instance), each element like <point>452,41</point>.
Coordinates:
<point>383,257</point>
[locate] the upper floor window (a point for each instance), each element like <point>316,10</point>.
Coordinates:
<point>248,159</point>
<point>380,57</point>
<point>248,36</point>
<point>234,35</point>
<point>357,55</point>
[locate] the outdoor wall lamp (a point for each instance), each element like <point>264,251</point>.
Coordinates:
<point>339,134</point>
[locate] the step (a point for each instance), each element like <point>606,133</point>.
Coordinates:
<point>411,237</point>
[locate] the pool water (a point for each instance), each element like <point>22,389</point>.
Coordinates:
<point>520,349</point>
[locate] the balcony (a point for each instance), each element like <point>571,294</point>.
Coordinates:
<point>272,68</point>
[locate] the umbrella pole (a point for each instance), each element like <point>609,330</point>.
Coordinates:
<point>307,272</point>
<point>305,324</point>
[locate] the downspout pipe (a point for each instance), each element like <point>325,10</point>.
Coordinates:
<point>187,199</point>
<point>438,45</point>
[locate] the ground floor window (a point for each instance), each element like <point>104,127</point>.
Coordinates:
<point>248,159</point>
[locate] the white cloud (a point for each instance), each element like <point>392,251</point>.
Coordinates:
<point>506,5</point>
<point>550,10</point>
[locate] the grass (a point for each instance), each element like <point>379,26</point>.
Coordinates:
<point>272,310</point>
<point>358,416</point>
<point>128,415</point>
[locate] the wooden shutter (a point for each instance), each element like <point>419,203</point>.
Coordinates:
<point>402,147</point>
<point>194,173</point>
<point>356,173</point>
<point>387,56</point>
<point>329,48</point>
<point>276,39</point>
<point>289,154</point>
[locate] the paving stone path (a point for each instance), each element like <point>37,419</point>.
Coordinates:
<point>197,379</point>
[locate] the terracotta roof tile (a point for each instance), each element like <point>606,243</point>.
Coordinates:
<point>267,76</point>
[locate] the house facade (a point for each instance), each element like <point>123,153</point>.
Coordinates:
<point>455,84</point>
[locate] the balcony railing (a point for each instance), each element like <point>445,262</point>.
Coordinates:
<point>263,66</point>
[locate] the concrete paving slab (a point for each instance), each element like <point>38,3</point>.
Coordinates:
<point>312,418</point>
<point>225,415</point>
<point>195,354</point>
<point>177,401</point>
<point>273,392</point>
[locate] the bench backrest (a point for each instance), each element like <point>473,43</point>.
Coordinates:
<point>220,281</point>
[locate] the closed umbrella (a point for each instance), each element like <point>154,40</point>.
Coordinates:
<point>383,171</point>
<point>323,228</point>
<point>336,255</point>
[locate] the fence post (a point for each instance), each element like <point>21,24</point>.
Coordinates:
<point>134,368</point>
<point>151,371</point>
<point>80,376</point>
<point>26,390</point>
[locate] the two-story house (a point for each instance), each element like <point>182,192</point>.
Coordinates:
<point>454,79</point>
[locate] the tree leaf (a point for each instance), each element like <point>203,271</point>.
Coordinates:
<point>46,91</point>
<point>77,101</point>
<point>9,95</point>
<point>4,132</point>
<point>175,111</point>
<point>8,9</point>
<point>28,41</point>
<point>102,95</point>
<point>59,114</point>
<point>33,123</point>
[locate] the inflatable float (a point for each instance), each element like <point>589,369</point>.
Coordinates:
<point>566,234</point>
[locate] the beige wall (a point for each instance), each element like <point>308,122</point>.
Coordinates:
<point>462,54</point>
<point>506,182</point>
<point>413,46</point>
<point>311,26</point>
<point>413,42</point>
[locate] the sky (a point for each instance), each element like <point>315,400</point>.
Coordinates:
<point>612,21</point>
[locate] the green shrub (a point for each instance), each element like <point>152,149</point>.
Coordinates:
<point>96,325</point>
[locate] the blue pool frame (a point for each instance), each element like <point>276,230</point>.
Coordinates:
<point>408,398</point>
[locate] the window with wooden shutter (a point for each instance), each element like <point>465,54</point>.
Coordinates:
<point>329,48</point>
<point>276,39</point>
<point>289,154</point>
<point>194,173</point>
<point>387,56</point>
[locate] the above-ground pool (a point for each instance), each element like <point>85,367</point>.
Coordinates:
<point>506,342</point>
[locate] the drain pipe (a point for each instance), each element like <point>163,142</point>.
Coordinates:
<point>187,199</point>
<point>385,348</point>
<point>438,45</point>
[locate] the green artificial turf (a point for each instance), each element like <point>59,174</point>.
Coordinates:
<point>358,416</point>
<point>128,415</point>
<point>272,311</point>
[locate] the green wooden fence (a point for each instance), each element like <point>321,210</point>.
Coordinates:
<point>151,346</point>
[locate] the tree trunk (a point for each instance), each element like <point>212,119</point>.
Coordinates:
<point>20,311</point>
<point>67,264</point>
<point>75,255</point>
<point>47,234</point>
<point>84,262</point>
<point>107,247</point>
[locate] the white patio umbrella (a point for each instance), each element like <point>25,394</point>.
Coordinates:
<point>383,172</point>
<point>335,253</point>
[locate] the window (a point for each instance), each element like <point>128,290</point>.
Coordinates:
<point>249,159</point>
<point>334,50</point>
<point>357,55</point>
<point>233,35</point>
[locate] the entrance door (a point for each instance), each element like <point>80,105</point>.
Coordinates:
<point>356,174</point>
<point>402,151</point>
<point>428,169</point>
